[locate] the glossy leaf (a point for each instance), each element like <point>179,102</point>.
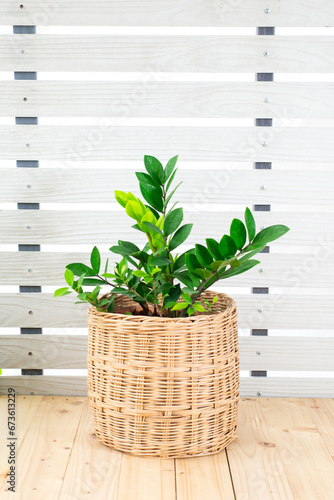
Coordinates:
<point>153,227</point>
<point>203,255</point>
<point>154,168</point>
<point>213,248</point>
<point>241,269</point>
<point>198,307</point>
<point>180,236</point>
<point>238,233</point>
<point>135,210</point>
<point>227,247</point>
<point>192,263</point>
<point>61,292</point>
<point>250,224</point>
<point>169,183</point>
<point>172,221</point>
<point>270,233</point>
<point>158,261</point>
<point>79,269</point>
<point>169,168</point>
<point>69,277</point>
<point>148,180</point>
<point>171,194</point>
<point>95,260</point>
<point>179,306</point>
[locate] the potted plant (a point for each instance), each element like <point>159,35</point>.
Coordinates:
<point>163,367</point>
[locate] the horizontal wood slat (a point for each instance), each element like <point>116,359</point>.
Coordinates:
<point>255,311</point>
<point>47,268</point>
<point>97,227</point>
<point>201,188</point>
<point>250,386</point>
<point>70,351</point>
<point>171,13</point>
<point>75,144</point>
<point>154,98</point>
<point>150,54</point>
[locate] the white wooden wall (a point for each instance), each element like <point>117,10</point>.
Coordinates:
<point>145,92</point>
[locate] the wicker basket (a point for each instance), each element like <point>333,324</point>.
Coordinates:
<point>164,387</point>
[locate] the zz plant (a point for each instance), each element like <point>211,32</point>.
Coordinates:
<point>162,282</point>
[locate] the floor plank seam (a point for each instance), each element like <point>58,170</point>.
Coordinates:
<point>230,471</point>
<point>175,480</point>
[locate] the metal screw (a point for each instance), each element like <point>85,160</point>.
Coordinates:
<point>25,99</point>
<point>27,145</point>
<point>30,312</point>
<point>258,353</point>
<point>261,270</point>
<point>28,227</point>
<point>32,393</point>
<point>265,144</point>
<point>259,393</point>
<point>30,353</point>
<point>28,186</point>
<point>29,270</point>
<point>266,53</point>
<point>260,310</point>
<point>263,187</point>
<point>267,11</point>
<point>21,6</point>
<point>262,227</point>
<point>266,99</point>
<point>23,51</point>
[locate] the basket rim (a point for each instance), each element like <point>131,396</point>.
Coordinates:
<point>187,319</point>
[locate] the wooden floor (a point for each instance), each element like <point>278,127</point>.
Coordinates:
<point>284,450</point>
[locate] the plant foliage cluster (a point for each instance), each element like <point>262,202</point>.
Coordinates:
<point>162,281</point>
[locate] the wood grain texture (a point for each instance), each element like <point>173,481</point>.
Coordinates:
<point>307,464</point>
<point>201,189</point>
<point>63,385</point>
<point>71,146</point>
<point>47,268</point>
<point>255,464</point>
<point>156,98</point>
<point>107,227</point>
<point>322,412</point>
<point>70,351</point>
<point>148,54</point>
<point>48,443</point>
<point>26,408</point>
<point>172,13</point>
<point>93,470</point>
<point>146,478</point>
<point>281,311</point>
<point>191,472</point>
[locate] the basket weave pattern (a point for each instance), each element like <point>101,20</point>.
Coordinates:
<point>164,387</point>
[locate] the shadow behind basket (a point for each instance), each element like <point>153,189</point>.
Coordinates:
<point>164,387</point>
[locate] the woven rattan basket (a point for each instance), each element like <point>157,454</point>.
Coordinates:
<point>164,387</point>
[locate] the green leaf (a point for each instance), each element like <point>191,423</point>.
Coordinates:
<point>171,180</point>
<point>213,247</point>
<point>219,264</point>
<point>180,262</point>
<point>158,261</point>
<point>250,224</point>
<point>180,236</point>
<point>152,196</point>
<point>61,291</point>
<point>270,233</point>
<point>227,247</point>
<point>111,307</point>
<point>154,168</point>
<point>172,221</point>
<point>258,247</point>
<point>135,210</point>
<point>179,306</point>
<point>173,295</point>
<point>251,254</point>
<point>79,269</point>
<point>130,247</point>
<point>139,274</point>
<point>190,311</point>
<point>80,281</point>
<point>148,180</point>
<point>153,227</point>
<point>192,263</point>
<point>187,279</point>
<point>92,281</point>
<point>169,168</point>
<point>106,266</point>
<point>203,255</point>
<point>238,233</point>
<point>95,260</point>
<point>167,200</point>
<point>214,300</point>
<point>235,263</point>
<point>123,197</point>
<point>241,269</point>
<point>69,277</point>
<point>204,273</point>
<point>186,297</point>
<point>198,307</point>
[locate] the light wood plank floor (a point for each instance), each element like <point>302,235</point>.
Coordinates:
<point>284,450</point>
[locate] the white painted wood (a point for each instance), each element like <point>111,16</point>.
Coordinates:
<point>150,54</point>
<point>313,270</point>
<point>250,386</point>
<point>70,351</point>
<point>73,145</point>
<point>98,227</point>
<point>171,13</point>
<point>167,99</point>
<point>201,188</point>
<point>281,311</point>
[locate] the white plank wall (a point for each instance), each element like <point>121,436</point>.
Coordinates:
<point>279,311</point>
<point>167,99</point>
<point>73,145</point>
<point>150,54</point>
<point>177,66</point>
<point>171,13</point>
